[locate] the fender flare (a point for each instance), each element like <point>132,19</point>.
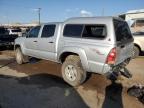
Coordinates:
<point>78,51</point>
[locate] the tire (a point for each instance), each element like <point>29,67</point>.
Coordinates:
<point>20,58</point>
<point>72,71</point>
<point>136,52</point>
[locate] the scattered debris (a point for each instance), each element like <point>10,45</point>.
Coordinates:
<point>137,91</point>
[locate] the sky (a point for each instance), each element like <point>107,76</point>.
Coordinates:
<point>25,11</point>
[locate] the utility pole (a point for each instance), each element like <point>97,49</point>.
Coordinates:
<point>39,10</point>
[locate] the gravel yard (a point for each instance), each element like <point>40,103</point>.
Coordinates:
<point>38,84</point>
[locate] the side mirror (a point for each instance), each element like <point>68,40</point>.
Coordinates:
<point>25,34</point>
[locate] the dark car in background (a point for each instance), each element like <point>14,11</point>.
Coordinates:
<point>6,39</point>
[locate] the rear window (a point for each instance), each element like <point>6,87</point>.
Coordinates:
<point>73,30</point>
<point>94,31</point>
<point>122,30</point>
<point>85,31</point>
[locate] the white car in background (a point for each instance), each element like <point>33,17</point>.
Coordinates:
<point>138,43</point>
<point>17,32</point>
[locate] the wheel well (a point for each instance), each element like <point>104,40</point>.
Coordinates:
<point>17,46</point>
<point>65,55</point>
<point>138,47</point>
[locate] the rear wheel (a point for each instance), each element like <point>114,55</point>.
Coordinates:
<point>72,71</point>
<point>136,52</point>
<point>20,58</point>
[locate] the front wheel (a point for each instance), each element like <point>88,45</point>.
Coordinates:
<point>20,58</point>
<point>72,71</point>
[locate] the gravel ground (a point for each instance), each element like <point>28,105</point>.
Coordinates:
<point>39,84</point>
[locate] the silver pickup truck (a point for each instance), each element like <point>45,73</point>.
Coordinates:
<point>95,44</point>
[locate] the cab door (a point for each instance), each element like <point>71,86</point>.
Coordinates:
<point>31,41</point>
<point>47,42</point>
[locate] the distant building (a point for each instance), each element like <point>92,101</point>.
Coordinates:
<point>19,25</point>
<point>135,19</point>
<point>18,28</point>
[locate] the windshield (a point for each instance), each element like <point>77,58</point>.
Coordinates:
<point>122,30</point>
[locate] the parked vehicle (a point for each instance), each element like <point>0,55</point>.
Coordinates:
<point>96,44</point>
<point>17,32</point>
<point>3,31</point>
<point>5,38</point>
<point>138,43</point>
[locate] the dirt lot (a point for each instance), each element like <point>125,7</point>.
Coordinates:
<point>38,84</point>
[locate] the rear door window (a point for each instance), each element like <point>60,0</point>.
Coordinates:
<point>48,31</point>
<point>122,31</point>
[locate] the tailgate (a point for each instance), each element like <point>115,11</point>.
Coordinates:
<point>124,40</point>
<point>124,52</point>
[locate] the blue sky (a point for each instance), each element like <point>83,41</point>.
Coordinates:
<point>23,11</point>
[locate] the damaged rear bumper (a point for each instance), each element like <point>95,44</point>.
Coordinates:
<point>117,70</point>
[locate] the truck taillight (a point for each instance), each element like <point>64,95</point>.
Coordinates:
<point>111,57</point>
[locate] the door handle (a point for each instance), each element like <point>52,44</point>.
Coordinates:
<point>34,41</point>
<point>51,42</point>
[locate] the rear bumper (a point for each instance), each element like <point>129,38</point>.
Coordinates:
<point>108,70</point>
<point>95,67</point>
